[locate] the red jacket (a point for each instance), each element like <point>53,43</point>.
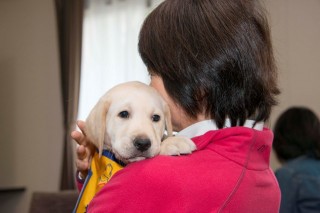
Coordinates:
<point>229,172</point>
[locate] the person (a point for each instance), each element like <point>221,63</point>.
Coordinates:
<point>212,61</point>
<point>297,147</point>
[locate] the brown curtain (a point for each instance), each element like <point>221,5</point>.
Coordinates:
<point>69,18</point>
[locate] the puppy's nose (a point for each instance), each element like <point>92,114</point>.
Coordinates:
<point>142,144</point>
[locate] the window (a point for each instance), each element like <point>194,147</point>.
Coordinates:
<point>110,47</point>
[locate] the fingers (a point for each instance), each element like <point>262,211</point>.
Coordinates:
<point>84,149</point>
<point>83,159</point>
<point>82,162</point>
<point>83,168</point>
<point>81,125</point>
<point>81,152</point>
<point>79,137</point>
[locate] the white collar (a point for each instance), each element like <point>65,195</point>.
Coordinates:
<point>202,127</point>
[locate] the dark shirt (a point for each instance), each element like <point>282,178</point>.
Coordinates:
<point>299,181</point>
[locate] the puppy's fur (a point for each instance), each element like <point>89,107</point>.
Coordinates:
<point>130,120</point>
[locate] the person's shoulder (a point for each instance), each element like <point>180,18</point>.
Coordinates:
<point>161,163</point>
<point>154,169</point>
<point>284,171</point>
<point>146,178</point>
<point>138,182</point>
<point>302,163</point>
<point>301,166</point>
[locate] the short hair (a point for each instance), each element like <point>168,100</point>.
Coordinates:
<point>296,133</point>
<point>214,57</point>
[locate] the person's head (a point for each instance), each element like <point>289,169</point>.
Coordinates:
<point>296,132</point>
<point>214,58</point>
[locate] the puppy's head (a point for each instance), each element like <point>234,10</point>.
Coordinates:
<point>130,120</point>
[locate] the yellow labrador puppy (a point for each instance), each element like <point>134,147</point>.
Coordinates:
<point>130,120</point>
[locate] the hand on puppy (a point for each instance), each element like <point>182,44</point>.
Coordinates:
<point>84,151</point>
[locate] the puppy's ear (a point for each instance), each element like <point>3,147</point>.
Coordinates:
<point>96,124</point>
<point>167,115</point>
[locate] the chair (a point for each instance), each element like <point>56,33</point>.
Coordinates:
<point>53,202</point>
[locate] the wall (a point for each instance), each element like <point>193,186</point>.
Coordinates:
<point>31,111</point>
<point>30,119</point>
<point>295,26</point>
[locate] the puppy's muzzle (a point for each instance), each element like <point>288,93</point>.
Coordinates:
<point>142,144</point>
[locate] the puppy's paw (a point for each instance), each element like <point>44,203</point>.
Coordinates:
<point>177,145</point>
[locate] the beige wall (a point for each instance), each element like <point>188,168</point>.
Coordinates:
<point>296,37</point>
<point>30,119</point>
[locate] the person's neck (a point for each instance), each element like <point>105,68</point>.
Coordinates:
<point>188,121</point>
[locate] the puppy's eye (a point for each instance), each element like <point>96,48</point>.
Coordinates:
<point>124,114</point>
<point>156,118</point>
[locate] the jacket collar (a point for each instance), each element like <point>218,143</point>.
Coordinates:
<point>247,147</point>
<point>202,127</point>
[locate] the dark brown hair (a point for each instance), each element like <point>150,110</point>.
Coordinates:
<point>296,133</point>
<point>214,56</point>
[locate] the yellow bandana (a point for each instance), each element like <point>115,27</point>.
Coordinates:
<point>100,172</point>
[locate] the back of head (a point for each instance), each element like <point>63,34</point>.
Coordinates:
<point>214,56</point>
<point>296,133</point>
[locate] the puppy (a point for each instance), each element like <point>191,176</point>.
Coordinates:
<point>130,121</point>
<point>126,125</point>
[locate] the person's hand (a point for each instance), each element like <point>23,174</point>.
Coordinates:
<point>85,150</point>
